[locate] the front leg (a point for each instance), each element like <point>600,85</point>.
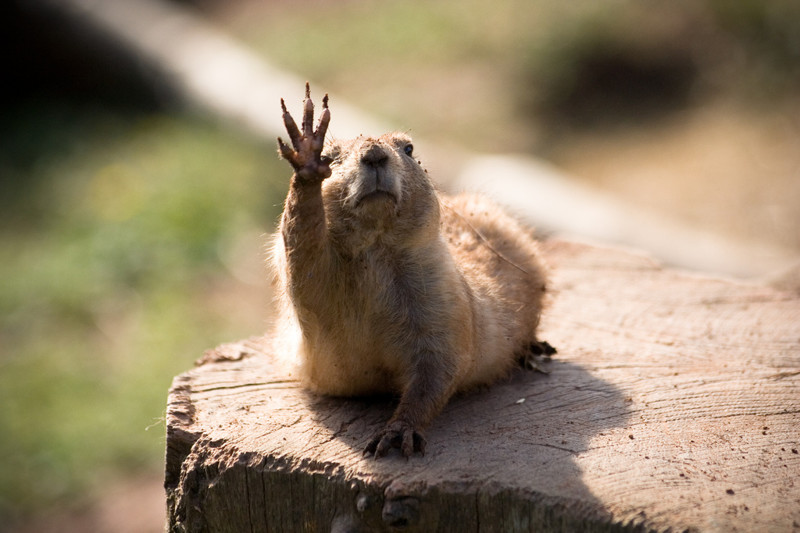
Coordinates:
<point>429,387</point>
<point>303,226</point>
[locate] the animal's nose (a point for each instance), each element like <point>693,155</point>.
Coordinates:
<point>375,156</point>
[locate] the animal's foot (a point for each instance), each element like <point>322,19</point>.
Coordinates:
<point>305,154</point>
<point>398,435</point>
<point>537,353</point>
<point>542,348</point>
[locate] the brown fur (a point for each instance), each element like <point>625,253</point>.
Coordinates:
<point>395,287</point>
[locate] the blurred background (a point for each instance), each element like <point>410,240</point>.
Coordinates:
<point>133,223</point>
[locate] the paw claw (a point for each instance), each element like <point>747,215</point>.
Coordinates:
<point>396,435</point>
<point>542,348</point>
<point>308,117</point>
<point>537,353</point>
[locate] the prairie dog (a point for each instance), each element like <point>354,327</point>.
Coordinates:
<point>394,287</point>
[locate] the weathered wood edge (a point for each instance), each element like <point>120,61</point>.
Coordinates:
<point>199,468</point>
<point>339,503</point>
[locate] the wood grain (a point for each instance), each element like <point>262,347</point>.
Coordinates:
<point>673,404</point>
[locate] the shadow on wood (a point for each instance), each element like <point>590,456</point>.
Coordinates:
<point>672,404</point>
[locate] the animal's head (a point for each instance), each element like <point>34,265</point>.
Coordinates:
<point>377,185</point>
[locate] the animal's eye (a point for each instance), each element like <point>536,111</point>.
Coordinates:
<point>408,149</point>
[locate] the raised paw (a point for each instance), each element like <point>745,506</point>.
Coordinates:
<point>305,154</point>
<point>398,435</point>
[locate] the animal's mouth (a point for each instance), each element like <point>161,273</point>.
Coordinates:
<point>376,196</point>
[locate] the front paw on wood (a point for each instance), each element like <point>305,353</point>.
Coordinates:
<point>398,435</point>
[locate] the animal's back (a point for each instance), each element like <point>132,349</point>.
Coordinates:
<point>499,260</point>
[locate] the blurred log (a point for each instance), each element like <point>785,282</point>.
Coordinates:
<point>672,404</point>
<point>195,61</point>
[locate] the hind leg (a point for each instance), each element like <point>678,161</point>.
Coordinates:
<point>535,354</point>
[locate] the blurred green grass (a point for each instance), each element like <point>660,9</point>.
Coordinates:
<point>113,236</point>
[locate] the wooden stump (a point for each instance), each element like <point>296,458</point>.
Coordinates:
<point>672,404</point>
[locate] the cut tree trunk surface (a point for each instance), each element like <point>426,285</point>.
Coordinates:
<point>672,403</point>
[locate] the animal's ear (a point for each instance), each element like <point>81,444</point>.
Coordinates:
<point>332,150</point>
